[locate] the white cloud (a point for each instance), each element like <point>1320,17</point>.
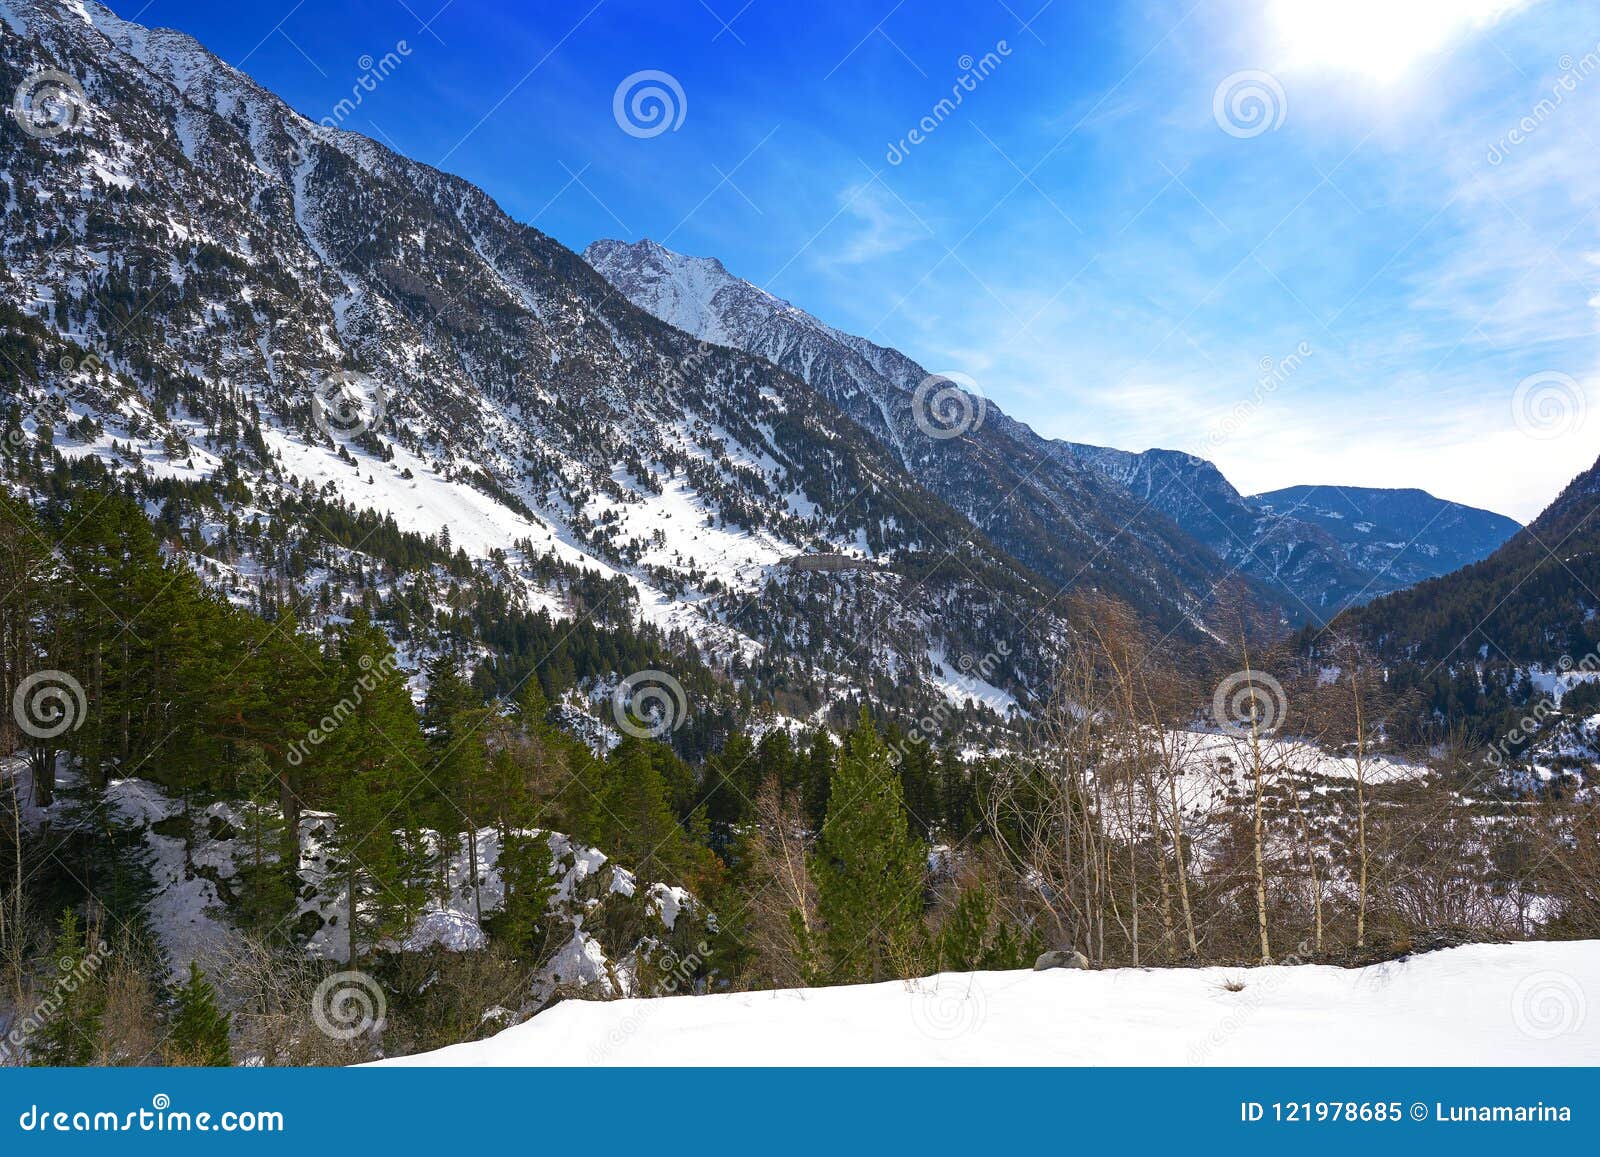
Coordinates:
<point>883,225</point>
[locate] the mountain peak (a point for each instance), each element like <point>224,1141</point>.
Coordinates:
<point>1306,559</point>
<point>695,294</point>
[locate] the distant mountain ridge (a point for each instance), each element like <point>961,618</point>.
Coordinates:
<point>1070,524</point>
<point>1307,550</point>
<point>1330,546</point>
<point>1403,536</point>
<point>1532,602</point>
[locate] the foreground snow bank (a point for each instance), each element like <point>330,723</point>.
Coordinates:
<point>1506,1004</point>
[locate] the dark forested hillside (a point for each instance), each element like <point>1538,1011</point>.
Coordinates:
<point>1501,652</point>
<point>1532,601</point>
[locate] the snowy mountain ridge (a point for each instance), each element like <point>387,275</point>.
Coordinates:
<point>1066,523</point>
<point>1283,540</point>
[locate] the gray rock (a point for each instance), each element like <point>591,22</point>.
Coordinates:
<point>1060,958</point>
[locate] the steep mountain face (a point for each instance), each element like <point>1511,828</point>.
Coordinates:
<point>1068,523</point>
<point>209,286</point>
<point>1296,559</point>
<point>1305,549</point>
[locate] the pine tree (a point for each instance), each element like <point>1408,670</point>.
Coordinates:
<point>523,922</point>
<point>974,936</point>
<point>919,785</point>
<point>70,1030</point>
<point>869,870</point>
<point>375,754</point>
<point>637,818</point>
<point>267,893</point>
<point>958,796</point>
<point>199,1029</point>
<point>458,773</point>
<point>818,772</point>
<point>775,762</point>
<point>731,780</point>
<point>961,937</point>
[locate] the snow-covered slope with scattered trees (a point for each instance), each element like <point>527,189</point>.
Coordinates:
<point>206,286</point>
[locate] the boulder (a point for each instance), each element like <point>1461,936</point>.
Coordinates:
<point>1060,958</point>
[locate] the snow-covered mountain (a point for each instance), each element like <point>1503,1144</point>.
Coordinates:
<point>1311,550</point>
<point>208,288</point>
<point>1070,524</point>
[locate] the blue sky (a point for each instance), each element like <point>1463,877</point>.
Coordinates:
<point>1402,236</point>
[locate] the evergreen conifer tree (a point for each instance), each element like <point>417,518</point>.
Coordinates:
<point>869,869</point>
<point>70,1030</point>
<point>375,756</point>
<point>199,1028</point>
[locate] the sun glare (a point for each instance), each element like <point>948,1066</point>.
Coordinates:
<point>1378,38</point>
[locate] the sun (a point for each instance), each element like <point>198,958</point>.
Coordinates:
<point>1380,39</point>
